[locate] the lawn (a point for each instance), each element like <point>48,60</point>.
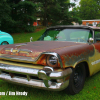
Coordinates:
<point>25,37</point>
<point>90,91</point>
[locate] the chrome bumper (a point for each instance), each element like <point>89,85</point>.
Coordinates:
<point>45,78</point>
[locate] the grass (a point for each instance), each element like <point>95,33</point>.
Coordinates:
<point>25,37</point>
<point>91,90</point>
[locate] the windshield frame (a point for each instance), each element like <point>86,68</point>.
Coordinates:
<point>69,28</point>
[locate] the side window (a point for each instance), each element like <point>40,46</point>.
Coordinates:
<point>97,36</point>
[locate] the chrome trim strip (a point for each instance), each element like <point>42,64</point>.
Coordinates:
<point>35,83</point>
<point>32,71</point>
<point>19,70</point>
<point>14,57</point>
<point>26,50</point>
<point>20,45</point>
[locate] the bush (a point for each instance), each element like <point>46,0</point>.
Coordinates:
<point>90,25</point>
<point>98,25</point>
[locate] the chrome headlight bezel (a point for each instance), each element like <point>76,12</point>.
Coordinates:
<point>52,61</point>
<point>60,64</point>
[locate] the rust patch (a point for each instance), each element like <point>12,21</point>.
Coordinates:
<point>69,59</point>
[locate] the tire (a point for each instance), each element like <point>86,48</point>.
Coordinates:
<point>4,43</point>
<point>77,79</point>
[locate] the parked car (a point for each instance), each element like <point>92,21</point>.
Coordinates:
<point>61,59</point>
<point>5,38</point>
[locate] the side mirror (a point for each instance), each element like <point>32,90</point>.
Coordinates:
<point>31,39</point>
<point>91,40</point>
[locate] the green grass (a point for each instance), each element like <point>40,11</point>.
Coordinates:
<point>91,90</point>
<point>25,37</point>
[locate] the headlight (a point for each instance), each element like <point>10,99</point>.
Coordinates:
<point>52,61</point>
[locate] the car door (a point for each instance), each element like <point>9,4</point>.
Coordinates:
<point>96,62</point>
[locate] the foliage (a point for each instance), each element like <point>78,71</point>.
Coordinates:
<point>89,9</point>
<point>20,17</point>
<point>90,25</point>
<point>56,12</point>
<point>5,11</point>
<point>76,17</point>
<point>98,25</point>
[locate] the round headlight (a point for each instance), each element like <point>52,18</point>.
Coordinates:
<point>52,61</point>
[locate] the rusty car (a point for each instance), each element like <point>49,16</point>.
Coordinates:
<point>60,59</point>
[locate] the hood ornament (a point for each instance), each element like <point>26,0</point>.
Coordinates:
<point>11,50</point>
<point>31,39</point>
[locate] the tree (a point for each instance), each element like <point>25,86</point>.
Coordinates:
<point>55,11</point>
<point>24,14</point>
<point>89,9</point>
<point>21,16</point>
<point>5,10</point>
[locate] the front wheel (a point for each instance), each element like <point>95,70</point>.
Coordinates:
<point>77,79</point>
<point>4,43</point>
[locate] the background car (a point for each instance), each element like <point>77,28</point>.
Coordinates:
<point>5,38</point>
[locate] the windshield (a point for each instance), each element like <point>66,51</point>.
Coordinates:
<point>73,35</point>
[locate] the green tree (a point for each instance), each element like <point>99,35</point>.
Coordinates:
<point>89,9</point>
<point>25,12</point>
<point>5,11</point>
<point>56,12</point>
<point>20,16</point>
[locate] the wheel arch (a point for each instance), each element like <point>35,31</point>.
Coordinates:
<point>77,78</point>
<point>86,67</point>
<point>4,41</point>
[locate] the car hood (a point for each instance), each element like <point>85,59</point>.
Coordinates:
<point>31,52</point>
<point>35,48</point>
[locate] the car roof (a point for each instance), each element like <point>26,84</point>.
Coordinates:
<point>94,27</point>
<point>74,26</point>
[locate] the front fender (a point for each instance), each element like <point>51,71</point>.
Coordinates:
<point>7,38</point>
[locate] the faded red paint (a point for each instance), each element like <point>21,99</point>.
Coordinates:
<point>68,51</point>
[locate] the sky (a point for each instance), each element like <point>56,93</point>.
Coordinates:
<point>74,1</point>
